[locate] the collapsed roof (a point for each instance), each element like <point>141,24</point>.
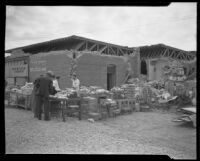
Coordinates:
<point>161,50</point>
<point>76,43</point>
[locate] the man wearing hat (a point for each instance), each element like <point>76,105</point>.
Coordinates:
<point>43,87</point>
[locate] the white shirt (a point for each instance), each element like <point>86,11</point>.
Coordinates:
<point>75,84</point>
<point>55,84</point>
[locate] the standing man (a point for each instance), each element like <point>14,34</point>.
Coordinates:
<point>75,82</point>
<point>55,84</point>
<point>58,78</point>
<point>43,88</point>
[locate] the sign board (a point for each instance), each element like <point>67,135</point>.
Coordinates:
<point>19,71</point>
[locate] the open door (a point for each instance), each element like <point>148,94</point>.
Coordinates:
<point>111,76</point>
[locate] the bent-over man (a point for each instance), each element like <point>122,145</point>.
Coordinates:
<point>43,88</point>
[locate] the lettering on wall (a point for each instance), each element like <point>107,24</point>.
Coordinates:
<point>19,71</point>
<point>38,66</point>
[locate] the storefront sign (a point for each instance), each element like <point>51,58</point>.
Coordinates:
<point>19,71</point>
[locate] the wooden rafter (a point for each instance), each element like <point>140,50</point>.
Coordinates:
<point>121,51</point>
<point>179,56</point>
<point>79,45</point>
<point>112,50</point>
<point>184,56</point>
<point>151,54</point>
<point>158,54</point>
<point>188,57</point>
<point>170,53</point>
<point>165,52</point>
<point>102,49</point>
<point>92,47</point>
<point>125,51</point>
<point>86,45</point>
<point>154,54</point>
<point>148,54</point>
<point>117,51</point>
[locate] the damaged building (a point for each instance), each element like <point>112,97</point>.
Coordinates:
<point>155,57</point>
<point>96,63</point>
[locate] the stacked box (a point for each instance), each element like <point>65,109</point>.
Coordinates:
<point>129,91</point>
<point>126,104</point>
<point>147,94</point>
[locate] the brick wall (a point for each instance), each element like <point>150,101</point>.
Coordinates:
<point>91,68</point>
<point>58,62</point>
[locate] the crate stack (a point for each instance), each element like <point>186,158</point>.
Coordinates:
<point>125,105</point>
<point>129,91</point>
<point>147,94</point>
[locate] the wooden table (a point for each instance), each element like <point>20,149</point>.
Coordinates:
<point>62,103</point>
<point>65,104</point>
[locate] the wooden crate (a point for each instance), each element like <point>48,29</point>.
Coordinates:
<point>126,105</point>
<point>24,104</point>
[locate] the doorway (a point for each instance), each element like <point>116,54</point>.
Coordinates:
<point>111,76</point>
<point>143,67</point>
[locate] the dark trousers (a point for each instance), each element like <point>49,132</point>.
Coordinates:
<point>39,102</point>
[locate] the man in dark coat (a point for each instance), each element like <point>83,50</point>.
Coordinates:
<point>43,88</point>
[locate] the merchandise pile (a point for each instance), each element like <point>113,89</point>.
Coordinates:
<point>129,90</point>
<point>109,101</point>
<point>67,93</point>
<point>117,93</point>
<point>27,89</point>
<point>17,90</point>
<point>93,91</point>
<point>174,73</point>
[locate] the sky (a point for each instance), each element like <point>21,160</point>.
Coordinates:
<point>174,25</point>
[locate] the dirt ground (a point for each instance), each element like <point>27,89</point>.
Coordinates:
<point>136,133</point>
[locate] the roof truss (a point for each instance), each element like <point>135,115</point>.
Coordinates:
<point>165,51</point>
